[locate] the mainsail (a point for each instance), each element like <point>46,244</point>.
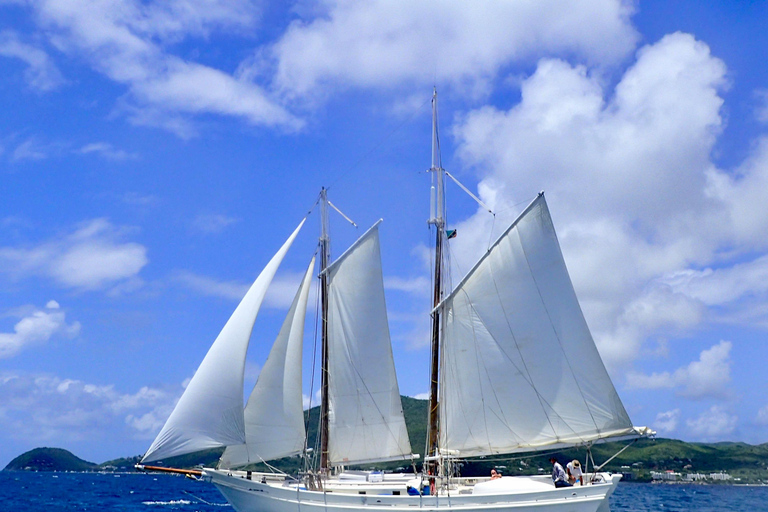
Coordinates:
<point>274,415</point>
<point>366,414</point>
<point>520,370</point>
<point>210,412</point>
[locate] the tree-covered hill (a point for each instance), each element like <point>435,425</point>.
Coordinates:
<point>49,459</point>
<point>749,462</point>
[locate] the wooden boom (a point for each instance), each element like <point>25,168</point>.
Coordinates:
<point>195,472</point>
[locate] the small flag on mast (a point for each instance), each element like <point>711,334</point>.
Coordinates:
<point>451,233</point>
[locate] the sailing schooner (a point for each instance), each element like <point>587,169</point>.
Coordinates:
<point>513,369</point>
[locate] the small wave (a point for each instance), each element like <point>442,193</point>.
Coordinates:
<point>201,500</point>
<point>172,502</point>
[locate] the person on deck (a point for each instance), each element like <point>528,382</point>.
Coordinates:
<point>558,474</point>
<point>574,472</point>
<point>495,474</point>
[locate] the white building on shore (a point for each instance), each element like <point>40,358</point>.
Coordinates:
<point>665,476</point>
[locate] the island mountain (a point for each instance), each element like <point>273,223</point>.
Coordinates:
<point>49,459</point>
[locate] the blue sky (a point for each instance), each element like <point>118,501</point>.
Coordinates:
<point>154,156</point>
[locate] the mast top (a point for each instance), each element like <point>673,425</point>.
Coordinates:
<point>436,161</point>
<point>437,199</point>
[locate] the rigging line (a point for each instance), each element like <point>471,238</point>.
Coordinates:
<point>312,208</point>
<point>201,500</point>
<point>342,214</point>
<point>514,207</point>
<point>465,189</point>
<point>498,241</point>
<point>377,146</point>
<point>554,330</point>
<point>275,471</point>
<point>598,468</point>
<point>531,454</point>
<point>490,233</point>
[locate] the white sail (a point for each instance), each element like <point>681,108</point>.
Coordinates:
<point>274,415</point>
<point>366,415</point>
<point>520,370</point>
<point>210,412</point>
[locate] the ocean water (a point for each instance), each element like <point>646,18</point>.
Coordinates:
<point>53,492</point>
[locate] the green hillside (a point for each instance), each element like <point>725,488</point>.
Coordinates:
<point>740,460</point>
<point>415,412</point>
<point>49,459</point>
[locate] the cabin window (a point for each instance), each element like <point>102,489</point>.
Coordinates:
<point>395,493</point>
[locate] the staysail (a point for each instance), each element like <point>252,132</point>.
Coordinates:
<point>521,371</point>
<point>366,415</point>
<point>210,412</point>
<point>274,415</point>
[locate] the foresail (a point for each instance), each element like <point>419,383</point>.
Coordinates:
<point>274,415</point>
<point>366,415</point>
<point>520,368</point>
<point>210,412</point>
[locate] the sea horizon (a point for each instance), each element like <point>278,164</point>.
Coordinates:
<point>134,492</point>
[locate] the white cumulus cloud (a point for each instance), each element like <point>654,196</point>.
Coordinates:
<point>42,408</point>
<point>37,326</point>
<point>708,377</point>
<point>106,150</point>
<point>666,422</point>
<point>212,223</point>
<point>762,416</point>
<point>131,42</point>
<point>385,43</point>
<point>634,194</point>
<point>417,285</point>
<point>712,425</point>
<point>90,258</point>
<point>30,149</point>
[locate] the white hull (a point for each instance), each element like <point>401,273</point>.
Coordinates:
<point>254,496</point>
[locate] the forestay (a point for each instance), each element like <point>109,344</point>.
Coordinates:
<point>210,412</point>
<point>520,370</point>
<point>274,415</point>
<point>366,420</point>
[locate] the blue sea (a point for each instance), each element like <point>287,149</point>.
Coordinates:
<point>137,492</point>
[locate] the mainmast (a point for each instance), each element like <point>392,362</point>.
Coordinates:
<point>325,256</point>
<point>437,205</point>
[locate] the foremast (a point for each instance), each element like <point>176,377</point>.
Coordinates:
<point>437,219</point>
<point>367,424</point>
